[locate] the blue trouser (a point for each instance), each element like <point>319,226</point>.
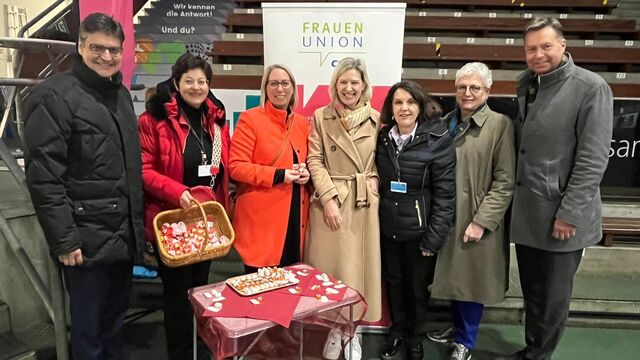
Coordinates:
<point>98,300</point>
<point>466,318</point>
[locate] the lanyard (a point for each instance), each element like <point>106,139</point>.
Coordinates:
<point>216,147</point>
<point>199,138</point>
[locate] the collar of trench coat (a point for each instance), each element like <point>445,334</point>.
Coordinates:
<point>339,134</point>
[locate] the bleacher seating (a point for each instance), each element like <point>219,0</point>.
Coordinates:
<point>621,59</point>
<point>470,23</point>
<point>441,35</point>
<point>614,227</point>
<point>567,6</point>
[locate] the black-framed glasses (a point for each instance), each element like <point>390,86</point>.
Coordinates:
<point>474,89</point>
<point>273,84</point>
<point>99,49</point>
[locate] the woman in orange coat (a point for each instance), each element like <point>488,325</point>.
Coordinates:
<point>267,160</point>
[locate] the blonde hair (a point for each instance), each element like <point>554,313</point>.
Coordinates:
<point>343,66</point>
<point>265,79</point>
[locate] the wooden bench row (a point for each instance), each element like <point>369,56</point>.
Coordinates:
<point>435,86</point>
<point>619,227</point>
<point>617,59</point>
<point>598,6</point>
<point>481,14</point>
<point>414,73</point>
<point>571,43</point>
<point>480,26</point>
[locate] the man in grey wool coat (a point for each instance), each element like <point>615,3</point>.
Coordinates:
<point>563,134</point>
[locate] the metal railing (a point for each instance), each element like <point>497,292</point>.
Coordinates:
<point>56,51</point>
<point>52,296</point>
<point>41,16</point>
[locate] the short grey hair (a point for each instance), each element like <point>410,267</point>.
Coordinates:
<point>476,68</point>
<point>540,23</point>
<point>265,79</point>
<point>343,66</point>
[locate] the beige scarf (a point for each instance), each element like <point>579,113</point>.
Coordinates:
<point>352,119</point>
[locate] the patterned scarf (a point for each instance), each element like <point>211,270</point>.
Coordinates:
<point>352,119</point>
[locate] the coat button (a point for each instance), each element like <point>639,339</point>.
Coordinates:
<point>333,148</point>
<point>522,151</point>
<point>519,183</point>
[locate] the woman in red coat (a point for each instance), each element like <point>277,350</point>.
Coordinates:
<point>182,133</point>
<point>268,156</point>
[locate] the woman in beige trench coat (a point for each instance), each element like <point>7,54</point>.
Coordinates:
<point>472,265</point>
<point>343,238</point>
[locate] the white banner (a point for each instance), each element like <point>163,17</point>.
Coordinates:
<point>310,38</point>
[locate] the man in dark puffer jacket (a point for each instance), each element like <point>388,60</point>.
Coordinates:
<point>84,175</point>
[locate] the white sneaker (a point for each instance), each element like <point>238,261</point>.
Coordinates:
<point>333,345</point>
<point>353,349</point>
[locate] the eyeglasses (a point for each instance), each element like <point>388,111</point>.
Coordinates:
<point>474,89</point>
<point>273,84</point>
<point>99,49</point>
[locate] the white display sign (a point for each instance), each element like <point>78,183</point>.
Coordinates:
<point>310,38</point>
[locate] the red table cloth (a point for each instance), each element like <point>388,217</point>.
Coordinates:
<point>241,327</point>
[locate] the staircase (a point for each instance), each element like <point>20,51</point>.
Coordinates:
<point>165,30</point>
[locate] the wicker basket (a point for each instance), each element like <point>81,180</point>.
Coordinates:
<point>209,210</point>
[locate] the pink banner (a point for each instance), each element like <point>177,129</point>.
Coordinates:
<point>122,11</point>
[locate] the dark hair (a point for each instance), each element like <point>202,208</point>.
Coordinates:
<point>428,109</point>
<point>540,23</point>
<point>433,109</point>
<point>102,23</point>
<point>187,62</point>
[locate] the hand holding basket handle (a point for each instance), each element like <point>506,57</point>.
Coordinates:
<point>200,193</point>
<point>173,244</point>
<point>185,200</point>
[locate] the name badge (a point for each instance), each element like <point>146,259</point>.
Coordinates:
<point>204,170</point>
<point>399,187</point>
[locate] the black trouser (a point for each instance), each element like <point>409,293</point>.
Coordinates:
<point>408,275</point>
<point>546,278</point>
<point>178,314</point>
<point>98,300</point>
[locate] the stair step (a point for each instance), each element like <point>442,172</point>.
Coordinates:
<point>11,348</point>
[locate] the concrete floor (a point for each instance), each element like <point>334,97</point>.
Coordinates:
<point>145,340</point>
<point>608,284</point>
